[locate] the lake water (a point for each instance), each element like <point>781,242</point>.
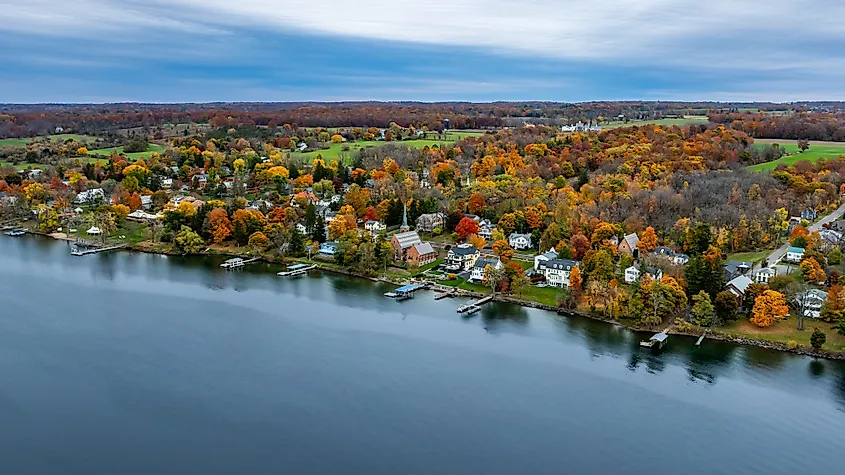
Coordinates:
<point>128,363</point>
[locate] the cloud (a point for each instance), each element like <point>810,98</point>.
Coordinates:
<point>439,49</point>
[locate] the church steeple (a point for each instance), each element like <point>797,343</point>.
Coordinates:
<point>404,228</point>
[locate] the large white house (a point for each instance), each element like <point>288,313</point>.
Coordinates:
<point>519,241</point>
<point>485,229</point>
<point>557,271</point>
<point>811,302</point>
<point>461,258</point>
<point>546,256</point>
<point>762,276</point>
<point>632,274</point>
<point>90,196</point>
<point>481,263</point>
<point>427,223</point>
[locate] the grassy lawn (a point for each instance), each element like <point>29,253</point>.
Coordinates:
<point>666,122</point>
<point>23,142</point>
<point>22,166</point>
<point>106,152</point>
<point>784,331</point>
<point>524,264</point>
<point>429,266</point>
<point>543,295</point>
<point>754,256</point>
<point>335,150</point>
<point>464,285</point>
<point>816,151</point>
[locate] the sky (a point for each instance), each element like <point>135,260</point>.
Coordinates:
<point>436,50</point>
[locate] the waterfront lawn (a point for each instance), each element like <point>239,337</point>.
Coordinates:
<point>543,295</point>
<point>784,331</point>
<point>427,267</point>
<point>464,285</point>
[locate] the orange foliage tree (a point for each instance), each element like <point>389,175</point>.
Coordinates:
<point>575,280</point>
<point>812,271</point>
<point>503,250</point>
<point>768,306</point>
<point>476,203</point>
<point>477,241</point>
<point>465,227</point>
<point>648,241</point>
<point>219,225</point>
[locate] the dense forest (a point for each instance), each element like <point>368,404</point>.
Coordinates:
<point>807,126</point>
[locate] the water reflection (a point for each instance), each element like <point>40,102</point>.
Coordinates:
<point>706,364</point>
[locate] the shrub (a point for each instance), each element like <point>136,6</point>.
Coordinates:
<point>792,344</point>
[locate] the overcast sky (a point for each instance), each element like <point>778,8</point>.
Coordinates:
<point>474,50</point>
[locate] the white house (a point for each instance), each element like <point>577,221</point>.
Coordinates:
<point>811,302</point>
<point>762,276</point>
<point>461,258</point>
<point>481,263</point>
<point>375,227</point>
<point>632,274</point>
<point>485,229</point>
<point>146,201</point>
<point>426,223</point>
<point>142,216</point>
<point>302,147</point>
<point>90,196</point>
<point>519,241</point>
<point>557,271</point>
<point>794,254</point>
<point>546,256</point>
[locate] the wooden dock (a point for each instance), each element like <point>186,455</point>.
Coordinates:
<point>237,262</point>
<point>700,339</point>
<point>473,307</point>
<point>79,252</point>
<point>443,295</point>
<point>297,270</point>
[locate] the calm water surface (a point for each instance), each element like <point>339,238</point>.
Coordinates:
<point>136,364</point>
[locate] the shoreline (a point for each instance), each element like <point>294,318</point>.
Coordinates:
<point>712,334</point>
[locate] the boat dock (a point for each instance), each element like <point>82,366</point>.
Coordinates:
<point>297,269</point>
<point>407,291</point>
<point>79,252</point>
<point>236,262</point>
<point>658,340</point>
<point>700,339</point>
<point>473,307</point>
<point>443,295</point>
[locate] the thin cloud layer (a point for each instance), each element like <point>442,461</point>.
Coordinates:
<point>539,49</point>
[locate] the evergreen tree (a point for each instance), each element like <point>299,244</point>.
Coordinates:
<point>296,247</point>
<point>318,233</point>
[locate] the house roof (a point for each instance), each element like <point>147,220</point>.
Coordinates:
<point>816,293</point>
<point>424,248</point>
<point>550,254</point>
<point>464,250</point>
<point>733,266</point>
<point>482,262</point>
<point>797,250</point>
<point>562,264</point>
<point>407,239</point>
<point>740,283</point>
<point>766,270</point>
<point>518,235</point>
<point>632,240</point>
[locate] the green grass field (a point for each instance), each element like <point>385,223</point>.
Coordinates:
<point>816,151</point>
<point>755,256</point>
<point>350,148</point>
<point>20,166</point>
<point>23,142</point>
<point>106,152</point>
<point>664,122</point>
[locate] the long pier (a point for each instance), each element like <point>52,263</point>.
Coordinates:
<point>78,252</point>
<point>473,307</point>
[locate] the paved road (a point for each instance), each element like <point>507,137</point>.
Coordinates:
<point>778,254</point>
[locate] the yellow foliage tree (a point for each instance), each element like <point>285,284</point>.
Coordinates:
<point>812,271</point>
<point>648,241</point>
<point>82,151</point>
<point>477,241</point>
<point>768,306</point>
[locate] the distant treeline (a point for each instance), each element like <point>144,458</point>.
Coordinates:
<point>43,119</point>
<point>809,126</point>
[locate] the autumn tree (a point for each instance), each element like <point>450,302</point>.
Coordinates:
<point>503,250</point>
<point>477,241</point>
<point>575,281</point>
<point>466,227</point>
<point>258,241</point>
<point>476,204</point>
<point>245,222</point>
<point>219,225</point>
<point>120,212</point>
<point>725,306</point>
<point>337,227</point>
<point>580,245</point>
<point>768,307</point>
<point>187,241</point>
<point>812,271</point>
<point>648,241</point>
